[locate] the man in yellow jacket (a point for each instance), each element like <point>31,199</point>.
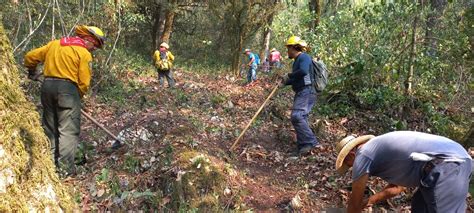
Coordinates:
<point>164,62</point>
<point>67,75</point>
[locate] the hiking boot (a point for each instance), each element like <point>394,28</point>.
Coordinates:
<point>305,150</point>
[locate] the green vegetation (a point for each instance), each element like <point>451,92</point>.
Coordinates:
<point>393,66</point>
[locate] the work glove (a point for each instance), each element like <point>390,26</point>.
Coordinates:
<point>33,75</point>
<point>284,79</point>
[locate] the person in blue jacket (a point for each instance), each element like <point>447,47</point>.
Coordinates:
<point>252,65</point>
<point>305,94</point>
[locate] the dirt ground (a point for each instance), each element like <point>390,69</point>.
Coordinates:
<point>206,114</point>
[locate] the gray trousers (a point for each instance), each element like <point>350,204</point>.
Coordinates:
<point>62,121</point>
<point>165,73</point>
<point>444,189</point>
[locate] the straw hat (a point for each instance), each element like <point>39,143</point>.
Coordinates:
<point>344,147</point>
<point>273,50</point>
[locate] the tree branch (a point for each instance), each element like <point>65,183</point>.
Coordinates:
<point>33,31</point>
<point>63,28</point>
<point>118,36</point>
<point>78,18</point>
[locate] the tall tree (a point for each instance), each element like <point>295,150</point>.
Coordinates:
<point>28,181</point>
<point>169,19</point>
<point>315,9</point>
<point>268,31</point>
<point>411,60</point>
<point>157,26</point>
<point>243,19</point>
<point>432,20</point>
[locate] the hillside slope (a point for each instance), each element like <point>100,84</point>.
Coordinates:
<point>177,157</point>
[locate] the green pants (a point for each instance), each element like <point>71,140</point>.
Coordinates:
<point>62,120</point>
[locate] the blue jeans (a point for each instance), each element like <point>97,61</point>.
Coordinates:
<point>444,189</point>
<point>252,73</point>
<point>303,103</point>
<point>275,65</point>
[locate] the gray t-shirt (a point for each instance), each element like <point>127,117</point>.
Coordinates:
<point>388,156</point>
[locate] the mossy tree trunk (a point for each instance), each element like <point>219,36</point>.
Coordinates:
<point>169,19</point>
<point>28,181</point>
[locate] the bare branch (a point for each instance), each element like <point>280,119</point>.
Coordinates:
<point>33,31</point>
<point>78,18</point>
<point>118,36</point>
<point>63,25</point>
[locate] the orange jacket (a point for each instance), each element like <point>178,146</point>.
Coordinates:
<point>66,58</point>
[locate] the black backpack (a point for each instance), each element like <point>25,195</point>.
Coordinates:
<point>319,75</point>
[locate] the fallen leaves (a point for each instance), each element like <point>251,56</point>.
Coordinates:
<point>265,173</point>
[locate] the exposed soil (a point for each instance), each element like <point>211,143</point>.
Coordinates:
<point>206,113</point>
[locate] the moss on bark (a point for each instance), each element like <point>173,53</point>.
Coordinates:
<point>28,181</point>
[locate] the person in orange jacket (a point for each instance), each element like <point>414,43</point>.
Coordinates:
<point>67,75</point>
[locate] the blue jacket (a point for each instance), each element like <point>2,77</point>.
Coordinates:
<point>299,77</point>
<point>253,55</point>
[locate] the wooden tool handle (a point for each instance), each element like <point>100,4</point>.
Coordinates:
<point>254,117</point>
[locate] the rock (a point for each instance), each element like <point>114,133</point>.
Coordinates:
<point>227,191</point>
<point>292,159</point>
<point>295,202</point>
<point>140,133</point>
<point>230,105</point>
<point>100,192</point>
<point>7,177</point>
<point>145,135</point>
<point>313,184</point>
<point>146,165</point>
<point>277,156</point>
<point>2,152</point>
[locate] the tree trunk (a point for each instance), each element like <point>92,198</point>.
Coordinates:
<point>170,13</point>
<point>411,61</point>
<point>437,9</point>
<point>155,30</point>
<point>236,55</point>
<point>161,23</point>
<point>266,37</point>
<point>28,181</point>
<point>315,9</point>
<point>266,44</point>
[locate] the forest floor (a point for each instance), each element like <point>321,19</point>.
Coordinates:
<point>177,157</point>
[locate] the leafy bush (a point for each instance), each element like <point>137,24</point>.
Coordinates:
<point>367,49</point>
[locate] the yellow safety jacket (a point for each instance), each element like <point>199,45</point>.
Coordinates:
<point>67,58</point>
<point>163,64</point>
